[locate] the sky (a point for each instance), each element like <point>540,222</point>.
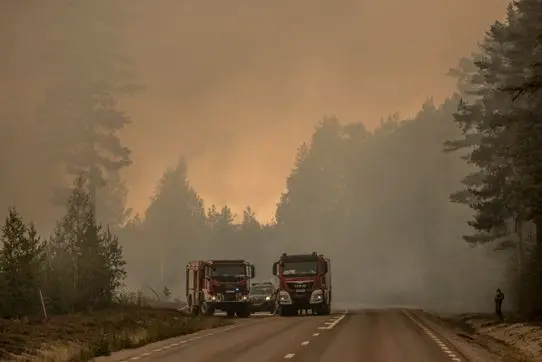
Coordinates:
<point>237,85</point>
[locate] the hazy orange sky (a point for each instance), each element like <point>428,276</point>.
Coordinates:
<point>237,85</point>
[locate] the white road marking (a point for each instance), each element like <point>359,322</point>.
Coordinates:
<point>316,334</point>
<point>331,324</point>
<point>435,339</point>
<point>305,343</point>
<point>289,356</point>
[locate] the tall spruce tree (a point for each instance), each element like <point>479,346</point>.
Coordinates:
<point>80,118</point>
<point>21,262</point>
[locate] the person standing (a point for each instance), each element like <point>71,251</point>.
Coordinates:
<point>499,297</point>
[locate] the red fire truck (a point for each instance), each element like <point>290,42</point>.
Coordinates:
<point>219,285</point>
<point>304,283</point>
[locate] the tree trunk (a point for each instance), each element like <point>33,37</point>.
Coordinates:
<point>518,226</point>
<point>538,230</point>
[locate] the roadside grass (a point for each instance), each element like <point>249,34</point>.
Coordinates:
<point>471,326</point>
<point>81,337</point>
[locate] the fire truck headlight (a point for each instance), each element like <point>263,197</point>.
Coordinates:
<point>284,297</point>
<point>213,298</point>
<point>245,297</point>
<point>268,298</point>
<point>317,296</point>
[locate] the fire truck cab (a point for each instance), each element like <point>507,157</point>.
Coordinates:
<point>219,285</point>
<point>304,283</point>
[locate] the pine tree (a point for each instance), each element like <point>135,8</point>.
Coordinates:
<point>85,264</point>
<point>222,230</point>
<point>249,219</point>
<point>111,210</point>
<point>250,238</point>
<point>492,191</point>
<point>21,259</point>
<point>80,117</point>
<point>174,223</point>
<point>503,132</point>
<point>310,207</point>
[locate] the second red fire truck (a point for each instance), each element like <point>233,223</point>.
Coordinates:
<point>304,283</point>
<point>219,285</point>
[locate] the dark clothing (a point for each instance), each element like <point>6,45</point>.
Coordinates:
<point>498,303</point>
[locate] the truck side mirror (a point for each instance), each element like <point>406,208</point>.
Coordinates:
<point>252,271</point>
<point>325,267</point>
<point>275,264</point>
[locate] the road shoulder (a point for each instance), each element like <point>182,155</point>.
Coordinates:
<point>166,344</point>
<point>471,341</point>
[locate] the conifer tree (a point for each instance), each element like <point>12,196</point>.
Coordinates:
<point>21,261</point>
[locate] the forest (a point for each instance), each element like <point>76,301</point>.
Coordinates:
<point>438,209</point>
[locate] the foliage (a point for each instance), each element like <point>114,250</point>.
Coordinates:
<point>21,259</point>
<point>80,118</point>
<point>377,200</point>
<point>81,266</point>
<point>83,336</point>
<point>504,136</point>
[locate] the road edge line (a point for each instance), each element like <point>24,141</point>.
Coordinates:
<point>426,327</point>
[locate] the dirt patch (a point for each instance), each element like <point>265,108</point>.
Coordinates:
<point>511,339</point>
<point>81,337</point>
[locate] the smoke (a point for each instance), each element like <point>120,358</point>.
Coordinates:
<point>235,86</point>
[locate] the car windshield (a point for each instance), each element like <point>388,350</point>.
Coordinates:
<point>229,270</point>
<point>261,289</point>
<point>299,268</point>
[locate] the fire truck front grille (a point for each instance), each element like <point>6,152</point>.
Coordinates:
<point>229,297</point>
<point>301,298</point>
<point>305,286</point>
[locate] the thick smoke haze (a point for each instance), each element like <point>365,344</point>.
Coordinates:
<point>235,87</point>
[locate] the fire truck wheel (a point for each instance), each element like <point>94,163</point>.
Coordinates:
<point>206,310</point>
<point>287,312</point>
<point>244,312</point>
<point>325,309</point>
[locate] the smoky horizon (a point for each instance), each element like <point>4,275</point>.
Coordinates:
<point>247,129</point>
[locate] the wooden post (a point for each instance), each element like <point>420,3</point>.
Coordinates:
<point>43,305</point>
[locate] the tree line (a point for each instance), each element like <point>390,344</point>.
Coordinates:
<point>389,205</point>
<point>499,117</point>
<point>79,267</point>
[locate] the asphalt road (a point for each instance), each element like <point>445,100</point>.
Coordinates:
<point>392,335</point>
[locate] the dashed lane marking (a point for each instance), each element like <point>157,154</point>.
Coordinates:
<point>331,323</point>
<point>435,339</point>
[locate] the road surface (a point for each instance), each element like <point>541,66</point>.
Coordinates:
<point>392,335</point>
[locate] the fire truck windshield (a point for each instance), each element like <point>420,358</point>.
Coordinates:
<point>299,268</point>
<point>229,270</point>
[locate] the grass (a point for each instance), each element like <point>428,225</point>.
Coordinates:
<point>466,329</point>
<point>81,337</point>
